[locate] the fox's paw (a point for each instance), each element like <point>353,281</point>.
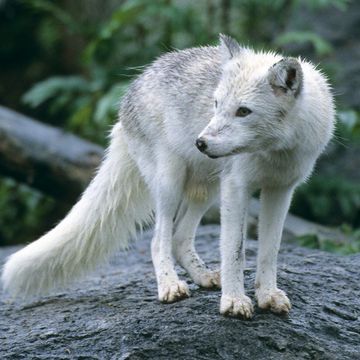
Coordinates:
<point>208,279</point>
<point>173,291</point>
<point>274,300</point>
<point>240,306</point>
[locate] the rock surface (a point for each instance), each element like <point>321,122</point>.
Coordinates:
<point>114,313</point>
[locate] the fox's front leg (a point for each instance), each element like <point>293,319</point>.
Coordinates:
<point>274,207</point>
<point>234,205</point>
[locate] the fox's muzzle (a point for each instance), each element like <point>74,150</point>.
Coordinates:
<point>202,145</point>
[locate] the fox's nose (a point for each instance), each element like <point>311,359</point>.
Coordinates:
<point>201,144</point>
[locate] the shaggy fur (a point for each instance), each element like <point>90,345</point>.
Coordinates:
<point>260,120</point>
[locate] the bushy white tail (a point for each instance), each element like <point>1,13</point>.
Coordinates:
<point>99,224</point>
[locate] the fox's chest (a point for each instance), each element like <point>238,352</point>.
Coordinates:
<point>273,170</point>
<point>202,179</point>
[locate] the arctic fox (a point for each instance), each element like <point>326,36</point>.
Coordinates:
<point>260,121</point>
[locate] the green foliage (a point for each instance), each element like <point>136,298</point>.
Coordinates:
<point>21,205</point>
<point>329,200</point>
<point>81,65</point>
<point>348,125</point>
<point>56,12</point>
<point>321,46</point>
<point>53,87</point>
<point>315,4</point>
<point>125,15</point>
<point>349,246</point>
<point>90,107</point>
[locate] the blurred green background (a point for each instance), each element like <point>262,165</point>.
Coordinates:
<point>68,63</point>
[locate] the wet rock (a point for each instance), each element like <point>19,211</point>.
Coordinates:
<point>114,313</point>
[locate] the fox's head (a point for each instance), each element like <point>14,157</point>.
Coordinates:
<point>252,102</point>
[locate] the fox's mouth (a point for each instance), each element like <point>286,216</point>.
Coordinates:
<point>236,151</point>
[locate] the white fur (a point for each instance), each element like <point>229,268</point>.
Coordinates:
<point>165,111</point>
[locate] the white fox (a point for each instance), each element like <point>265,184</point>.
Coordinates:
<point>274,114</point>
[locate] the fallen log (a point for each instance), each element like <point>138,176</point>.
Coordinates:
<point>44,157</point>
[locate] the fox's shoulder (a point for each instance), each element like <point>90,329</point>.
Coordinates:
<point>194,69</point>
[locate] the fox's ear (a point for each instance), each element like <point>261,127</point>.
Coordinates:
<point>229,47</point>
<point>286,77</point>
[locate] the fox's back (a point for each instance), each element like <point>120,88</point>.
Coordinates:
<point>174,95</point>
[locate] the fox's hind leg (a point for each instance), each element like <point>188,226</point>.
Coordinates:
<point>167,185</point>
<point>187,220</point>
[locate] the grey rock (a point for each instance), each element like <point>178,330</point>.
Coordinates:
<point>114,313</point>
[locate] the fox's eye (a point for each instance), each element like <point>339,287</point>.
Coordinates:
<point>216,103</point>
<point>243,111</point>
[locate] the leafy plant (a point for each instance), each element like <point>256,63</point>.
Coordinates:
<point>331,201</point>
<point>321,46</point>
<point>349,124</point>
<point>90,106</point>
<point>349,246</point>
<point>24,207</point>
